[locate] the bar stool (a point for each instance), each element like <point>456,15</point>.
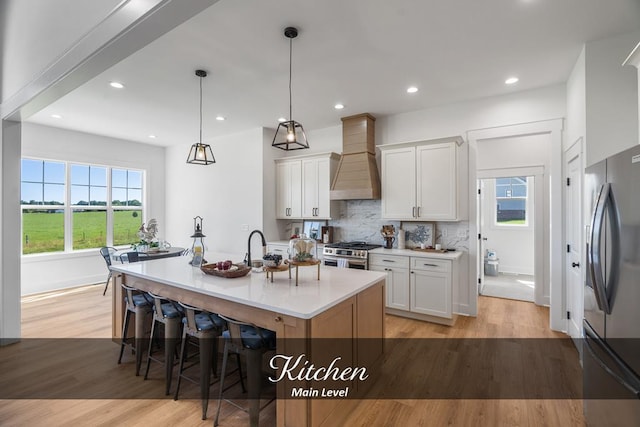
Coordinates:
<point>253,342</point>
<point>139,304</point>
<point>169,314</point>
<point>207,328</point>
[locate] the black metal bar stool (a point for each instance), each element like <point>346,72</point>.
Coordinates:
<point>169,314</point>
<point>253,342</point>
<point>206,328</point>
<point>139,304</point>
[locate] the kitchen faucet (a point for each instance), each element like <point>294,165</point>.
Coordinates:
<point>247,258</point>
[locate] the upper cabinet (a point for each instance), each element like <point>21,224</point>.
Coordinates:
<point>425,181</point>
<point>303,184</point>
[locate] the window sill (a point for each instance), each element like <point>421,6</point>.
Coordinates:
<point>54,256</point>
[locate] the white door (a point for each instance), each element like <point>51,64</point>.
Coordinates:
<point>431,293</point>
<point>574,266</point>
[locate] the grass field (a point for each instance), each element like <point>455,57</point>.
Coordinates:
<point>512,222</point>
<point>44,232</point>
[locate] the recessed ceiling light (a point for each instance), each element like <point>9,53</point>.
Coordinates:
<point>220,118</point>
<point>412,89</point>
<point>511,80</point>
<point>152,136</point>
<point>56,116</point>
<point>338,106</point>
<point>282,119</point>
<point>116,85</point>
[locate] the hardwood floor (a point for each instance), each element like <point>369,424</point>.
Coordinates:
<point>85,313</point>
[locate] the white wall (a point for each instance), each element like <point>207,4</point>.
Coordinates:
<point>228,195</point>
<point>576,121</point>
<point>513,245</point>
<point>611,97</point>
<point>43,272</point>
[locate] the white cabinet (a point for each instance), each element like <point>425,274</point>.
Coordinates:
<point>419,287</point>
<point>431,287</point>
<point>397,269</point>
<point>424,181</point>
<point>311,193</point>
<point>288,190</point>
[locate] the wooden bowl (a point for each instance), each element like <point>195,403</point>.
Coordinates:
<point>240,270</point>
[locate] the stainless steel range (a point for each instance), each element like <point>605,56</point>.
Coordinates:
<point>347,254</point>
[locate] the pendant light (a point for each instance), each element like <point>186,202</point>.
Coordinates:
<point>291,133</point>
<point>201,154</point>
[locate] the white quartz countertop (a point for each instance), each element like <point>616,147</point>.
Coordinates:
<point>286,243</point>
<point>310,298</point>
<point>409,252</point>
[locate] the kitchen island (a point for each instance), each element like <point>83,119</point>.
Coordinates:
<point>344,303</point>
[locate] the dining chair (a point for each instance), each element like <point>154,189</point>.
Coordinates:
<point>130,257</point>
<point>107,252</point>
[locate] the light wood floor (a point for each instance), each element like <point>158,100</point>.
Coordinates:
<point>62,315</point>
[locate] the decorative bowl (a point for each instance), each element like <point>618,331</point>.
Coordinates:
<point>272,260</point>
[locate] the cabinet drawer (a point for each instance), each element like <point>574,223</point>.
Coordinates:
<point>389,260</point>
<point>430,264</point>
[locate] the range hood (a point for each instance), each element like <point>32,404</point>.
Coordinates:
<point>357,177</point>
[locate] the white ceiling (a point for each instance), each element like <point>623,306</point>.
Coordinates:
<point>362,53</point>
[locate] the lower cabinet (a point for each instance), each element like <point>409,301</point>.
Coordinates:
<point>418,287</point>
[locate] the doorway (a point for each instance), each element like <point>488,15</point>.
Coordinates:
<point>507,228</point>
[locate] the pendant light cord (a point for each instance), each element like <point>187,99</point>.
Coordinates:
<point>200,110</point>
<point>290,50</point>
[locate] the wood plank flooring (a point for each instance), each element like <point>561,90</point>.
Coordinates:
<point>84,312</point>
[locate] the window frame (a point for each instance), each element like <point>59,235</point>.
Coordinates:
<point>69,208</point>
<point>528,223</point>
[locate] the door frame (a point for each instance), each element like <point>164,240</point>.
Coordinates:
<point>538,175</point>
<point>557,293</point>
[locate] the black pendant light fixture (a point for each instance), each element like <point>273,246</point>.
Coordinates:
<point>290,134</point>
<point>201,154</point>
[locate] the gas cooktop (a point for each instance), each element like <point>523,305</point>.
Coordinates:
<point>363,246</point>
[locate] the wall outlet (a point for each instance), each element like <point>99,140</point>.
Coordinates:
<point>462,233</point>
<point>244,227</point>
<point>444,232</point>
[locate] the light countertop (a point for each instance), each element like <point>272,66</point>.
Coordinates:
<point>310,298</point>
<point>409,252</point>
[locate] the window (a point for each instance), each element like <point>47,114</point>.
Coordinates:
<point>69,206</point>
<point>511,201</point>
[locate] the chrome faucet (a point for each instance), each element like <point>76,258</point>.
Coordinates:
<point>247,258</point>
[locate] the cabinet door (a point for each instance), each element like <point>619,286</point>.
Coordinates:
<point>397,286</point>
<point>436,180</point>
<point>323,206</point>
<point>283,190</point>
<point>398,183</point>
<point>289,190</point>
<point>309,188</point>
<point>431,293</point>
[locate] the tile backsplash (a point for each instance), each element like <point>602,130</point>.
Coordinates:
<point>361,220</point>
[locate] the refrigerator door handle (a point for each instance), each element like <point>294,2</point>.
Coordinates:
<point>605,204</point>
<point>591,336</point>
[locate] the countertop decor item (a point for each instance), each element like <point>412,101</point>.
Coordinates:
<point>236,270</point>
<point>294,136</point>
<point>388,233</point>
<point>417,233</point>
<point>197,249</point>
<point>147,235</point>
<point>201,154</point>
<point>302,249</point>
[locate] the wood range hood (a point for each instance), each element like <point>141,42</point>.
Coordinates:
<point>357,177</point>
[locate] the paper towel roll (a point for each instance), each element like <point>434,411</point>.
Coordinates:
<point>401,239</point>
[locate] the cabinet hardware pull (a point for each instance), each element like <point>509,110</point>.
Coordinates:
<point>278,319</point>
<point>418,209</point>
<point>413,212</point>
<point>431,265</point>
<point>388,260</point>
<point>412,272</point>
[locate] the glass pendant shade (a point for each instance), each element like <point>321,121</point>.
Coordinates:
<point>290,136</point>
<point>201,154</point>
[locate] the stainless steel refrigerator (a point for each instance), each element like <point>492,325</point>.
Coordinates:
<point>611,352</point>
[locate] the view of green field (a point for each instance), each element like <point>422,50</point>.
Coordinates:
<point>513,222</point>
<point>44,231</point>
